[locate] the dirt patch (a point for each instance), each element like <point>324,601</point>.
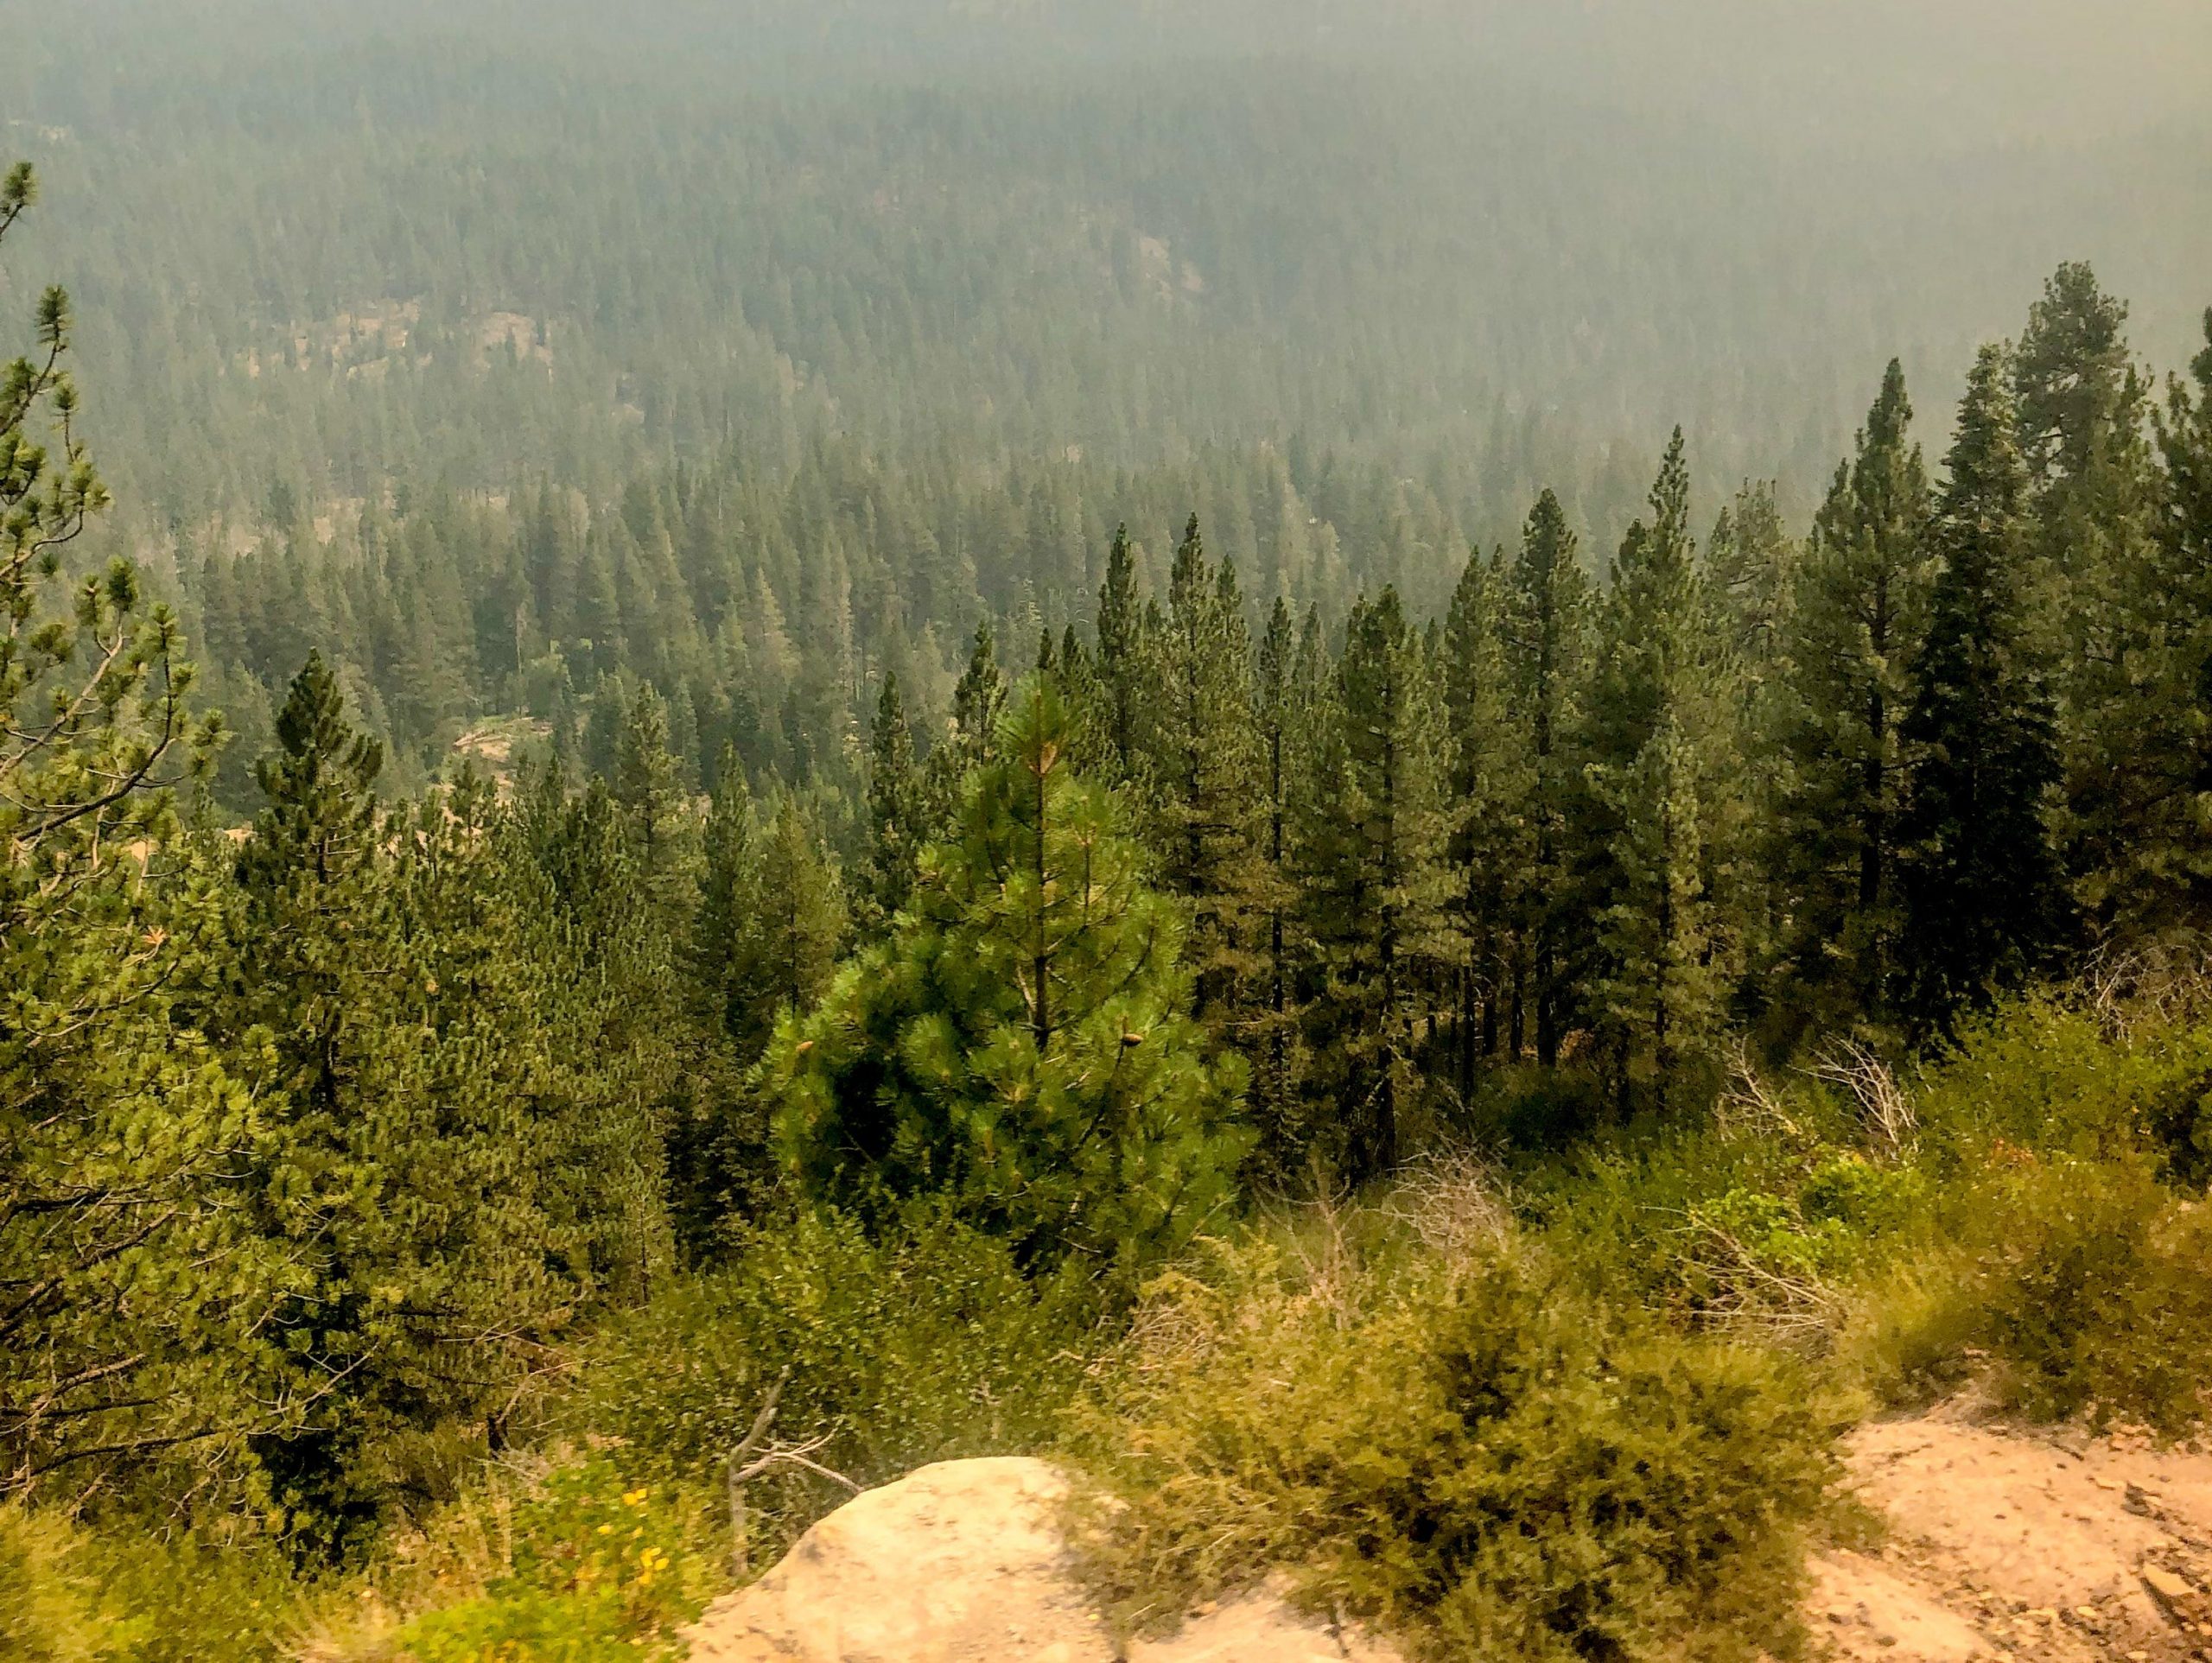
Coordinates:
<point>2004,1542</point>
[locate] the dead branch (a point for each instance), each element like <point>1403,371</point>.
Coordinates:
<point>1748,1106</point>
<point>745,1466</point>
<point>1886,1114</point>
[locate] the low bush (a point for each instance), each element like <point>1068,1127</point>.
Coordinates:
<point>2097,1296</point>
<point>70,1594</point>
<point>923,1345</point>
<point>600,1570</point>
<point>1466,1446</point>
<point>2053,1073</point>
<point>48,1607</point>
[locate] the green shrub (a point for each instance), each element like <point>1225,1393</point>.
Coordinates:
<point>2048,1073</point>
<point>2177,1114</point>
<point>2081,1287</point>
<point>1468,1447</point>
<point>926,1345</point>
<point>1912,1331</point>
<point>1861,1196</point>
<point>2098,1294</point>
<point>1770,1230</point>
<point>125,1594</point>
<point>48,1609</point>
<point>601,1572</point>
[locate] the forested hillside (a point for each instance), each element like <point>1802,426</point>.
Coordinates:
<point>1321,770</point>
<point>954,293</point>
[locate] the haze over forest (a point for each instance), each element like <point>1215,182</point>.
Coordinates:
<point>1485,248</point>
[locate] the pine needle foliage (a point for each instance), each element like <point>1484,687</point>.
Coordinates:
<point>1024,1044</point>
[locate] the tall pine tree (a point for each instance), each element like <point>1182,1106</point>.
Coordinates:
<point>1377,876</point>
<point>1984,903</point>
<point>1661,828</point>
<point>1853,631</point>
<point>1491,784</point>
<point>1547,636</point>
<point>1201,763</point>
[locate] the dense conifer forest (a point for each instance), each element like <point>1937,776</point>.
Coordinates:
<point>840,693</point>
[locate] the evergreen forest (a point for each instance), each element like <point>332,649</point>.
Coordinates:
<point>1041,728</point>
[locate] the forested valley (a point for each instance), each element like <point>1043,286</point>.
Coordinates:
<point>1318,773</point>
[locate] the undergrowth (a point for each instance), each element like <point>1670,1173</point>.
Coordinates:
<point>1426,1420</point>
<point>1576,1403</point>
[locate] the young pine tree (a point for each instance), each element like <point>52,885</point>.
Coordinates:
<point>648,782</point>
<point>772,919</point>
<point>1984,903</point>
<point>896,814</point>
<point>1120,665</point>
<point>1022,1050</point>
<point>978,699</point>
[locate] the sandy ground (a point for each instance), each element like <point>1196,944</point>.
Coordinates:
<point>2004,1543</point>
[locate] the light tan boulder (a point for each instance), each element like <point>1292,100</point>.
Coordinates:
<point>965,1562</point>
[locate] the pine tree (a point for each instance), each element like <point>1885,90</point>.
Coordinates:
<point>477,1144</point>
<point>619,1059</point>
<point>93,695</point>
<point>2107,595</point>
<point>127,1295</point>
<point>1376,874</point>
<point>320,820</point>
<point>319,950</point>
<point>1272,1038</point>
<point>1023,1047</point>
<point>1661,930</point>
<point>2074,389</point>
<point>1660,832</point>
<point>729,894</point>
<point>1854,629</point>
<point>896,813</point>
<point>1491,784</point>
<point>2162,881</point>
<point>1201,759</point>
<point>1984,903</point>
<point>1546,628</point>
<point>1753,565</point>
<point>1119,627</point>
<point>648,782</point>
<point>978,699</point>
<point>794,928</point>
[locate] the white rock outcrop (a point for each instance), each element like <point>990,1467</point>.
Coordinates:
<point>965,1562</point>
